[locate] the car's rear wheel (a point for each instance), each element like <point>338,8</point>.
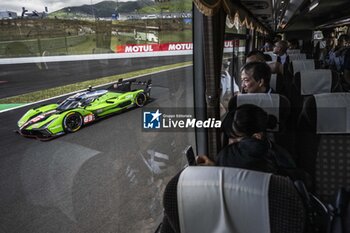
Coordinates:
<point>141,99</point>
<point>72,122</point>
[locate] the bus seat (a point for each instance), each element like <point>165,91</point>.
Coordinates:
<point>306,83</point>
<point>299,65</point>
<point>297,56</point>
<point>274,104</point>
<point>223,199</point>
<point>310,82</point>
<point>324,142</point>
<point>272,55</point>
<point>279,84</point>
<point>293,51</point>
<point>273,81</point>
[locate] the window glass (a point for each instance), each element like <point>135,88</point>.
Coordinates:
<point>233,55</point>
<point>96,167</point>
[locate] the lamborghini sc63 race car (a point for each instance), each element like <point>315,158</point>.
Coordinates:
<point>70,115</point>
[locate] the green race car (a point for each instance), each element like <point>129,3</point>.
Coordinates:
<point>85,107</point>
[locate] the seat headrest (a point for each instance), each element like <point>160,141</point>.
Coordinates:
<point>333,113</point>
<point>315,81</point>
<point>299,65</point>
<point>269,102</point>
<point>273,81</point>
<point>297,56</point>
<point>293,51</point>
<point>233,200</point>
<point>273,56</point>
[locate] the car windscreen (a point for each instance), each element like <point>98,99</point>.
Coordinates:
<point>69,104</point>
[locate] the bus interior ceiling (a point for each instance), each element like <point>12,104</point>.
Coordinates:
<point>299,15</point>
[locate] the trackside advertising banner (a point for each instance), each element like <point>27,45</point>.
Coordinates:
<point>167,47</point>
<point>140,48</point>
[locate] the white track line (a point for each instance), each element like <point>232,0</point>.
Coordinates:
<point>23,60</point>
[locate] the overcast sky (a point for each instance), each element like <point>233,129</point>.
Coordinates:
<point>39,5</point>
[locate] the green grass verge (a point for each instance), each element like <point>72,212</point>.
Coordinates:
<point>52,92</point>
<point>7,106</point>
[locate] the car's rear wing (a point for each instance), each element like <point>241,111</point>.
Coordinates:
<point>145,85</point>
<point>131,85</point>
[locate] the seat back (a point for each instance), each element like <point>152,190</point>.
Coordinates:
<point>273,81</point>
<point>297,56</point>
<point>279,84</point>
<point>274,104</point>
<point>222,199</point>
<point>293,51</point>
<point>324,143</point>
<point>310,82</point>
<point>272,55</point>
<point>301,65</point>
<point>307,83</point>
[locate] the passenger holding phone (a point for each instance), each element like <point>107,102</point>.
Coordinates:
<point>247,145</point>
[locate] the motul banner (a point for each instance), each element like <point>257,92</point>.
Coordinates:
<point>143,48</point>
<point>231,43</point>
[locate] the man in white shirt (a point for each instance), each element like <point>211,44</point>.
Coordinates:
<point>226,81</point>
<point>280,50</point>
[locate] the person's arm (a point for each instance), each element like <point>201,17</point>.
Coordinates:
<point>203,160</point>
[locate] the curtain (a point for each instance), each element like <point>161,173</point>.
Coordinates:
<point>233,9</point>
<point>213,51</point>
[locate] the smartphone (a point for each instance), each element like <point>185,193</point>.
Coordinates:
<point>191,158</point>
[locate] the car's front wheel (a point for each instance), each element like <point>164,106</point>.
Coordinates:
<point>72,122</point>
<point>141,99</point>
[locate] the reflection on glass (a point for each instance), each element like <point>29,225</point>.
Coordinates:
<point>110,176</point>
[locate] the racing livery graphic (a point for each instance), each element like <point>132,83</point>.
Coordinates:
<point>48,121</point>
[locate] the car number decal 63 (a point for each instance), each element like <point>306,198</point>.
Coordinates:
<point>89,118</point>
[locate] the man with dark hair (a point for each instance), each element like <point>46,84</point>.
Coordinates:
<point>293,44</point>
<point>258,56</point>
<point>255,55</point>
<point>256,77</point>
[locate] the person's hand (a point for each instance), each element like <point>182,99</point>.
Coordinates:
<point>203,160</point>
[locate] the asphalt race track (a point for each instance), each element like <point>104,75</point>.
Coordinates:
<point>107,177</point>
<point>18,79</point>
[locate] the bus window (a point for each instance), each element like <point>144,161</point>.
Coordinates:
<point>104,163</point>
